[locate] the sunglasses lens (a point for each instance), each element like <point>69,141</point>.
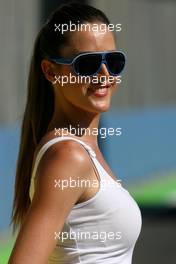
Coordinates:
<point>116,62</point>
<point>87,64</point>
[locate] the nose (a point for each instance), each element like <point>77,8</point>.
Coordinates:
<point>103,70</point>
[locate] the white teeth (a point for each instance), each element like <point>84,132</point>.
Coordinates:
<point>102,90</point>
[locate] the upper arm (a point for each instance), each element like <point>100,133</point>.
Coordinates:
<point>50,205</point>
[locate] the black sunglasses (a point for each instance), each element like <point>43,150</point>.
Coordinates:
<point>89,63</point>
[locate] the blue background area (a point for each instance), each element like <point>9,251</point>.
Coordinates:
<point>9,141</point>
<point>146,147</point>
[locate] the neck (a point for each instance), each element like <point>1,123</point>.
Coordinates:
<point>75,121</point>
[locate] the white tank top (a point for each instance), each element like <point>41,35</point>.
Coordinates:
<point>103,229</point>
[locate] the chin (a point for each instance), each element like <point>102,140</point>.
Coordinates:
<point>100,108</point>
<point>102,105</point>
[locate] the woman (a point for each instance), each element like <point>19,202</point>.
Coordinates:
<point>62,222</point>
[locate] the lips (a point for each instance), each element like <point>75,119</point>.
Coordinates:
<point>100,87</point>
<point>101,90</point>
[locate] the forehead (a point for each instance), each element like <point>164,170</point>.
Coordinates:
<point>94,39</point>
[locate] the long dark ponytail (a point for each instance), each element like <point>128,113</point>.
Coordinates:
<point>40,97</point>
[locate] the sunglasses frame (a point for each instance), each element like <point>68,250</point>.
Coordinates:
<point>71,61</point>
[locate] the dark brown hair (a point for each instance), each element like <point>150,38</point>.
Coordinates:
<point>40,97</point>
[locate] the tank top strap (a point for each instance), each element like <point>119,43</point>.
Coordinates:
<point>58,139</point>
<point>87,147</point>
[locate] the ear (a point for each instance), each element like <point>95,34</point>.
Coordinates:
<point>48,69</point>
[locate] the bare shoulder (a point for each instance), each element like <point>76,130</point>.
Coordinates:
<point>68,149</point>
<point>61,161</point>
<point>66,152</point>
<point>58,145</point>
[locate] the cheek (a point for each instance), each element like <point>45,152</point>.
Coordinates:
<point>73,90</point>
<point>71,84</point>
<point>115,87</point>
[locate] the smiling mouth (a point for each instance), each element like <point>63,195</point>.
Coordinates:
<point>100,91</point>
